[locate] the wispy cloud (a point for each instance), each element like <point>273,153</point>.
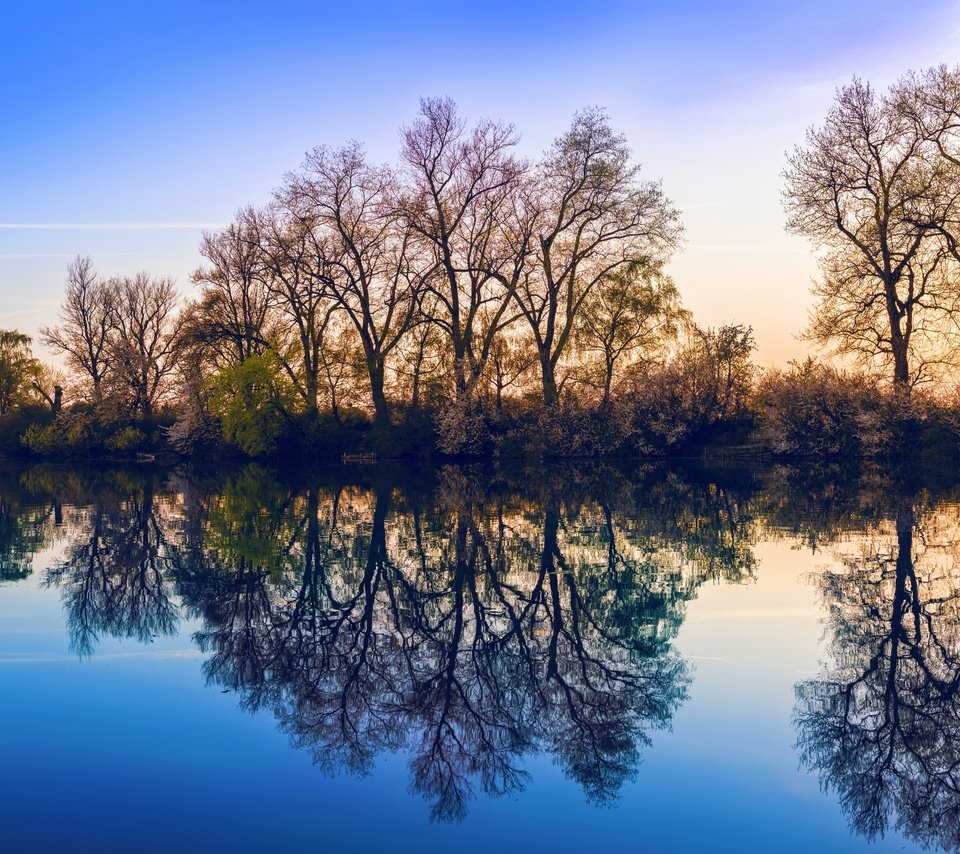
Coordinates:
<point>716,247</point>
<point>108,226</point>
<point>12,256</point>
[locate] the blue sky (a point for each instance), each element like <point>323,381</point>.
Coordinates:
<point>127,127</point>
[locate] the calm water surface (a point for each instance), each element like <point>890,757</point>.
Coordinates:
<point>564,659</point>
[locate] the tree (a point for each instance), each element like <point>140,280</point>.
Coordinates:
<point>366,257</point>
<point>931,102</point>
<point>593,218</point>
<point>461,200</point>
<point>293,272</point>
<point>144,345</point>
<point>19,370</point>
<point>636,309</point>
<point>510,360</point>
<point>866,191</point>
<point>253,401</point>
<point>84,332</point>
<point>881,725</point>
<point>230,320</point>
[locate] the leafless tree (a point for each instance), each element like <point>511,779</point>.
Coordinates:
<point>294,274</point>
<point>230,320</point>
<point>83,334</point>
<point>365,253</point>
<point>865,190</point>
<point>144,344</point>
<point>594,217</point>
<point>458,201</point>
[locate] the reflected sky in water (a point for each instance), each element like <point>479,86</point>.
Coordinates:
<point>389,659</point>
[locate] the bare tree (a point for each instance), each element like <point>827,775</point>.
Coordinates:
<point>865,190</point>
<point>458,201</point>
<point>594,217</point>
<point>931,102</point>
<point>144,344</point>
<point>366,257</point>
<point>293,271</point>
<point>83,334</point>
<point>230,321</point>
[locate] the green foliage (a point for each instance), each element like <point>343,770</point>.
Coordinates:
<point>253,401</point>
<point>18,369</point>
<point>43,439</point>
<point>128,438</point>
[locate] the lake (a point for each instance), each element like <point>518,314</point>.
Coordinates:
<point>565,658</point>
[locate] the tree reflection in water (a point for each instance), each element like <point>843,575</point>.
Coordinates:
<point>469,625</point>
<point>470,622</point>
<point>882,725</point>
<point>115,576</point>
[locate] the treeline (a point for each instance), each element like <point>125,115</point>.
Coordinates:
<point>467,301</point>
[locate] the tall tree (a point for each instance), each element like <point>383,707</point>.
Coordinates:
<point>294,273</point>
<point>594,217</point>
<point>367,262</point>
<point>144,343</point>
<point>865,190</point>
<point>83,335</point>
<point>461,184</point>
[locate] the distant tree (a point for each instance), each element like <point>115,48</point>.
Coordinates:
<point>593,217</point>
<point>865,189</point>
<point>83,334</point>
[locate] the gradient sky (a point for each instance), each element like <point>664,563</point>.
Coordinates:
<point>125,128</point>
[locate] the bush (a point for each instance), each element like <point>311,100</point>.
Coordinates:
<point>47,440</point>
<point>815,410</point>
<point>127,439</point>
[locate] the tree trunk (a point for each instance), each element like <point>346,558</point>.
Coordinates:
<point>381,406</point>
<point>551,395</point>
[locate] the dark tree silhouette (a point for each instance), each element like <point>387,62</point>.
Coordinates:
<point>882,727</point>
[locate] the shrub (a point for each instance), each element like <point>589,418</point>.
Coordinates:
<point>127,439</point>
<point>812,409</point>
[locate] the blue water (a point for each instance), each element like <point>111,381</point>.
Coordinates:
<point>120,731</point>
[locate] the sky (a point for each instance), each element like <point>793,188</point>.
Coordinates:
<point>128,128</point>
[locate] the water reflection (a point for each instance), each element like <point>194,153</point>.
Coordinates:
<point>469,621</point>
<point>882,724</point>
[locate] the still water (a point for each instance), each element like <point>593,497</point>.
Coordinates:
<point>564,659</point>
